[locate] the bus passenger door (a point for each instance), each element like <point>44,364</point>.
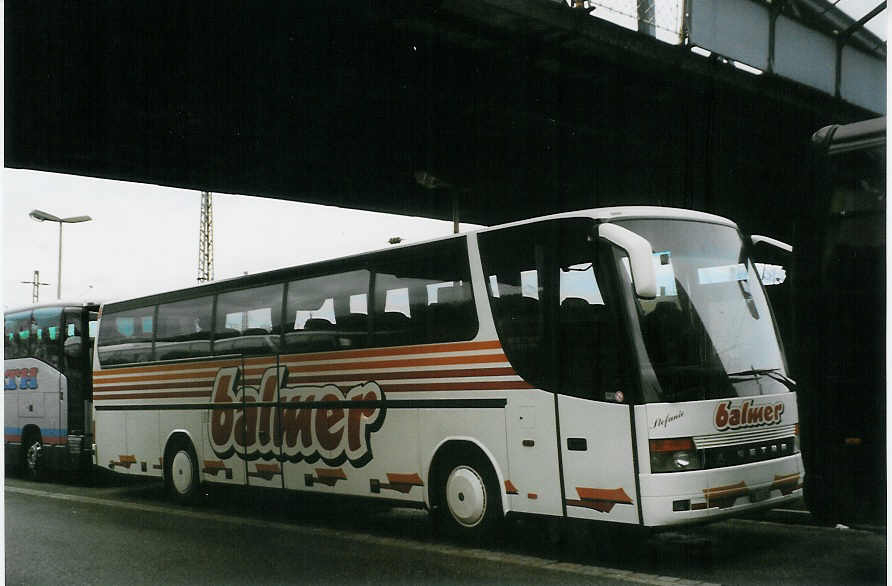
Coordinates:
<point>45,407</point>
<point>597,459</point>
<point>594,419</point>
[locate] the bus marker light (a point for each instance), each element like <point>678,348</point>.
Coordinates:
<point>671,445</point>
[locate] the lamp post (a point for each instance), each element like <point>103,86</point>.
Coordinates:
<point>45,217</point>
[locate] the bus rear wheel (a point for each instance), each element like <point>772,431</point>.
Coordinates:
<point>32,458</point>
<point>181,471</point>
<point>469,505</point>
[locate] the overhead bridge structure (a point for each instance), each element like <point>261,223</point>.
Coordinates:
<point>489,109</point>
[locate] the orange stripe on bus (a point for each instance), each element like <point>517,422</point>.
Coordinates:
<point>333,355</point>
<point>400,375</point>
<point>98,397</point>
<point>459,386</point>
<point>412,479</point>
<point>615,495</point>
<point>337,473</point>
<point>195,375</point>
<point>331,378</point>
<point>153,386</point>
<point>434,361</point>
<point>157,368</point>
<point>394,351</point>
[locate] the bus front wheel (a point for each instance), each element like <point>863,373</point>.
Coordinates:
<point>181,471</point>
<point>469,505</point>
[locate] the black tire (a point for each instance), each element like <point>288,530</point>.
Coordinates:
<point>32,458</point>
<point>469,504</point>
<point>181,471</point>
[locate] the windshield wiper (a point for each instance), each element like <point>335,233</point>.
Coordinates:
<point>774,374</point>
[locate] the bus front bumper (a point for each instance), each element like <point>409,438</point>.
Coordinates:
<point>706,495</point>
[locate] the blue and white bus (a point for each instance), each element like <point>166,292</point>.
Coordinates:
<point>47,421</point>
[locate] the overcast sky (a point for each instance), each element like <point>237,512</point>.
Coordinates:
<point>144,238</point>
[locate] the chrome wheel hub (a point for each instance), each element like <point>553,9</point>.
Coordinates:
<point>32,457</point>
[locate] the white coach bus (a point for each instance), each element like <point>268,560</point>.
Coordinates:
<point>617,364</point>
<point>47,391</point>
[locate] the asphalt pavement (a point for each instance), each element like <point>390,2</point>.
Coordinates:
<point>124,532</point>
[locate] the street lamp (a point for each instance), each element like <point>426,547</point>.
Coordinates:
<point>45,217</point>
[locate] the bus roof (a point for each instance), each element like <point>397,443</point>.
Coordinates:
<point>599,214</point>
<point>625,213</point>
<point>57,303</point>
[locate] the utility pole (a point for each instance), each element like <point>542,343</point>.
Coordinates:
<point>206,239</point>
<point>35,287</point>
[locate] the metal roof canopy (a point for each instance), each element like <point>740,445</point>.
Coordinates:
<point>807,41</point>
<point>503,109</point>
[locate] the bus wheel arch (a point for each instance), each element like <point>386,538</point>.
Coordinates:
<point>181,473</point>
<point>32,453</point>
<point>464,489</point>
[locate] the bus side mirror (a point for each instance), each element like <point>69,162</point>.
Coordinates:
<point>757,238</point>
<point>73,347</point>
<point>644,276</point>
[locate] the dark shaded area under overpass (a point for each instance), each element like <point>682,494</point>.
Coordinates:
<point>508,109</point>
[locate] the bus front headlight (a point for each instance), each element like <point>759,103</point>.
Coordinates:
<point>674,455</point>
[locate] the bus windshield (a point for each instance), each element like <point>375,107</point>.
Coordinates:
<point>708,333</point>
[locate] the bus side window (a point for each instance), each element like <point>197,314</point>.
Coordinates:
<point>126,336</point>
<point>249,321</point>
<point>424,295</point>
<point>184,329</point>
<point>17,335</point>
<point>549,308</point>
<point>587,336</point>
<point>46,328</point>
<point>328,312</point>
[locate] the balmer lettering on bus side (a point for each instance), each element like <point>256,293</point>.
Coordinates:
<point>288,431</point>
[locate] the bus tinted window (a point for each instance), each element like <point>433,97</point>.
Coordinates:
<point>126,336</point>
<point>17,335</point>
<point>425,296</point>
<point>249,321</point>
<point>46,344</point>
<point>328,312</point>
<point>550,309</point>
<point>184,329</point>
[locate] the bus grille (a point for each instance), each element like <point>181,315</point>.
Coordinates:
<point>750,452</point>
